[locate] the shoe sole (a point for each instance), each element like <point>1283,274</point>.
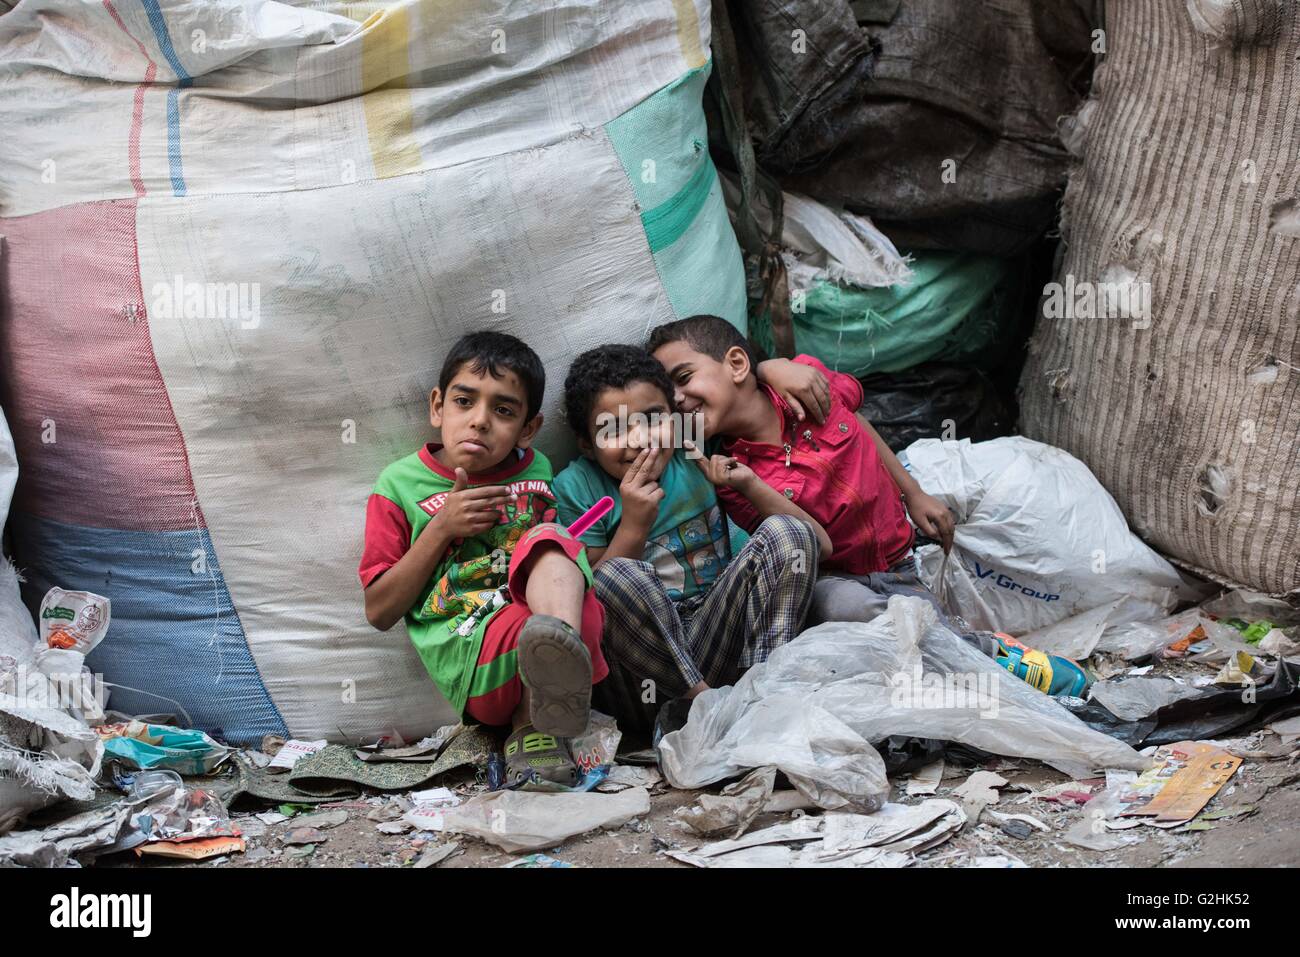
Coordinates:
<point>556,667</point>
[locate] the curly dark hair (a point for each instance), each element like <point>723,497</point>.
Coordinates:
<point>608,367</point>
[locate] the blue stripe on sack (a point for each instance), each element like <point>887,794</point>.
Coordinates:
<point>173,631</point>
<point>183,81</point>
<point>174,142</point>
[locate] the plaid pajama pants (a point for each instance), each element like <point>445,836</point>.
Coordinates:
<point>657,648</point>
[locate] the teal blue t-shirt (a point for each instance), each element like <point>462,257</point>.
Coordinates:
<point>688,545</point>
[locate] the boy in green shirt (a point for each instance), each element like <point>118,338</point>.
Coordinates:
<point>460,541</point>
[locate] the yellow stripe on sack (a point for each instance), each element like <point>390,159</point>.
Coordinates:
<point>385,65</point>
<point>688,32</point>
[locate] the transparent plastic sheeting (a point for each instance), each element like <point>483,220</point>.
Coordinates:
<point>817,705</point>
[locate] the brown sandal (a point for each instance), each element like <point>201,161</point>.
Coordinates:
<point>556,667</point>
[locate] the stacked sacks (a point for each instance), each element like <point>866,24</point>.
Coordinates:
<point>937,118</point>
<point>968,189</point>
<point>1184,400</point>
<point>239,239</point>
<point>920,331</point>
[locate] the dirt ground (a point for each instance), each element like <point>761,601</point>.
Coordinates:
<point>1264,837</point>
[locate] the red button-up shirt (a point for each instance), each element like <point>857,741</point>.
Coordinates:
<point>834,473</point>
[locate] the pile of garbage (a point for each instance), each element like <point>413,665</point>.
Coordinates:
<point>79,781</point>
<point>898,214</point>
<point>887,744</point>
<point>1201,679</point>
<point>911,198</point>
<point>47,750</point>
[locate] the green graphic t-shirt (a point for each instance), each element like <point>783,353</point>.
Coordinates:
<point>688,544</point>
<point>446,625</point>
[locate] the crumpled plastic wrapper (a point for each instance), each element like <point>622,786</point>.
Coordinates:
<point>816,705</point>
<point>532,821</point>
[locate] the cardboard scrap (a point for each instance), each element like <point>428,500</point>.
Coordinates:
<point>1180,783</point>
<point>925,781</point>
<point>195,850</point>
<point>322,820</point>
<point>435,854</point>
<point>978,791</point>
<point>1210,819</point>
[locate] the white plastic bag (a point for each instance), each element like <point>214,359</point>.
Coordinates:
<point>1135,697</point>
<point>1038,539</point>
<point>826,245</point>
<point>8,461</point>
<point>18,635</point>
<point>1078,636</point>
<point>45,755</point>
<point>1137,639</point>
<point>815,705</point>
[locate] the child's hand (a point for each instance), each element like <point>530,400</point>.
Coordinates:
<point>723,470</point>
<point>932,517</point>
<point>805,390</point>
<point>640,489</point>
<point>472,511</point>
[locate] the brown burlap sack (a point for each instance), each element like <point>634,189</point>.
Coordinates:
<point>1187,190</point>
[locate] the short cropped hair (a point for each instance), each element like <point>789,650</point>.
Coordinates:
<point>496,353</point>
<point>709,335</point>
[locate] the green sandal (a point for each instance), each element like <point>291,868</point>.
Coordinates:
<point>532,756</point>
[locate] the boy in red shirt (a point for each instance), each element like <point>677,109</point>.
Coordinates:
<point>838,470</point>
<point>498,601</point>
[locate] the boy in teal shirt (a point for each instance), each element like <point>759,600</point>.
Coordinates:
<point>682,614</point>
